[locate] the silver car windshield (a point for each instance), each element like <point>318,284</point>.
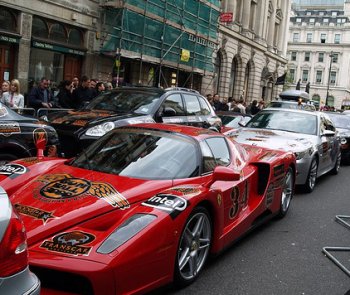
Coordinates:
<point>305,123</point>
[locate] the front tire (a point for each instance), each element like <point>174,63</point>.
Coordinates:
<point>287,192</point>
<point>312,176</point>
<point>193,248</point>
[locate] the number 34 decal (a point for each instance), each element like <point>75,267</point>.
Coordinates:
<point>239,199</point>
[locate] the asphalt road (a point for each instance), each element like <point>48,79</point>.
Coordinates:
<point>285,256</point>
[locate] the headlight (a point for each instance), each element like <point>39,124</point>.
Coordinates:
<point>343,140</point>
<point>125,232</point>
<point>100,130</point>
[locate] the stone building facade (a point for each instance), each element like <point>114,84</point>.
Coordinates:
<point>252,50</point>
<point>60,39</point>
<point>319,50</point>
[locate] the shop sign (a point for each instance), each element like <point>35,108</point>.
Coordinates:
<point>202,41</point>
<point>58,48</point>
<point>9,39</point>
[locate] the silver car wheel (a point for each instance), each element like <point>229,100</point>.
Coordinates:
<point>287,193</point>
<point>311,179</point>
<point>194,245</point>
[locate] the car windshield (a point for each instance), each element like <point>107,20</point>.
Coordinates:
<point>291,105</point>
<point>141,153</point>
<point>126,101</point>
<point>299,122</point>
<point>340,121</point>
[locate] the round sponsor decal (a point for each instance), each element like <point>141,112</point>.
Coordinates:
<point>74,238</point>
<point>65,188</point>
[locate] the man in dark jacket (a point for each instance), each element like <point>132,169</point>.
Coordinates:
<point>83,94</point>
<point>40,96</point>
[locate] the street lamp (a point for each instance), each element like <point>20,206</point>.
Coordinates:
<point>329,76</point>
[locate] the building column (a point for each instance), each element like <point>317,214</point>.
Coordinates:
<point>246,15</point>
<point>24,47</point>
<point>271,27</point>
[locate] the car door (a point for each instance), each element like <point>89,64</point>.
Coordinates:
<point>234,194</point>
<point>172,110</point>
<point>194,111</point>
<point>326,146</point>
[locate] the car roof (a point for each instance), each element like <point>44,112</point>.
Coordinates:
<point>155,89</point>
<point>316,113</point>
<point>231,114</point>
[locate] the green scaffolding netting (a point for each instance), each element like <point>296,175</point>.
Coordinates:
<point>163,29</point>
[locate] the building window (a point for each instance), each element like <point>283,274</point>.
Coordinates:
<point>293,56</point>
<point>305,76</point>
<point>307,56</point>
<point>292,75</point>
<point>308,13</point>
<point>321,13</point>
<point>309,37</point>
<point>320,57</point>
<point>334,13</point>
<point>334,57</point>
<point>326,20</point>
<point>337,38</point>
<point>298,20</point>
<point>296,37</point>
<point>312,20</point>
<point>323,38</point>
<point>318,76</point>
<point>8,20</point>
<point>333,77</point>
<point>339,20</point>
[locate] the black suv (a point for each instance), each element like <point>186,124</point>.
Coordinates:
<point>130,105</point>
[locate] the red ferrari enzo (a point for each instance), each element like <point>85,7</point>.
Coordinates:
<point>143,206</point>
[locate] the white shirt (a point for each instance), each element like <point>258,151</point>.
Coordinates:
<point>13,100</point>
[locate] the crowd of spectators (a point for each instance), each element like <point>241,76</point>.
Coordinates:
<point>231,104</point>
<point>71,94</point>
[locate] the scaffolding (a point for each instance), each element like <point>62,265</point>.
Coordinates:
<point>173,33</point>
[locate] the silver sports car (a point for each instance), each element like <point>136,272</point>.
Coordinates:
<point>15,277</point>
<point>310,135</point>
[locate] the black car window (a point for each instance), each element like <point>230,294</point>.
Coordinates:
<point>192,105</point>
<point>120,101</point>
<point>219,148</point>
<point>140,153</point>
<point>174,101</point>
<point>205,109</point>
<point>209,162</point>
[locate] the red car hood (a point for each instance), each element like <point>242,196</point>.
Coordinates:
<point>67,196</point>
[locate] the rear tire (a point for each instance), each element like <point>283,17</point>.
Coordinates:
<point>336,167</point>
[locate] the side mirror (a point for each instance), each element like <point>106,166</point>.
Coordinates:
<point>169,112</point>
<point>222,173</point>
<point>242,123</point>
<point>327,133</point>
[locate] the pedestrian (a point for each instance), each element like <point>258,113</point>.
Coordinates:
<point>5,87</point>
<point>108,86</point>
<point>100,87</point>
<point>13,98</point>
<point>261,104</point>
<point>83,94</point>
<point>64,95</point>
<point>40,96</point>
<point>216,102</point>
<point>75,83</point>
<point>241,106</point>
<point>254,109</point>
<point>92,85</point>
<point>224,105</point>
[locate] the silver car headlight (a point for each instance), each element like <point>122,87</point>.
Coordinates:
<point>125,232</point>
<point>100,130</point>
